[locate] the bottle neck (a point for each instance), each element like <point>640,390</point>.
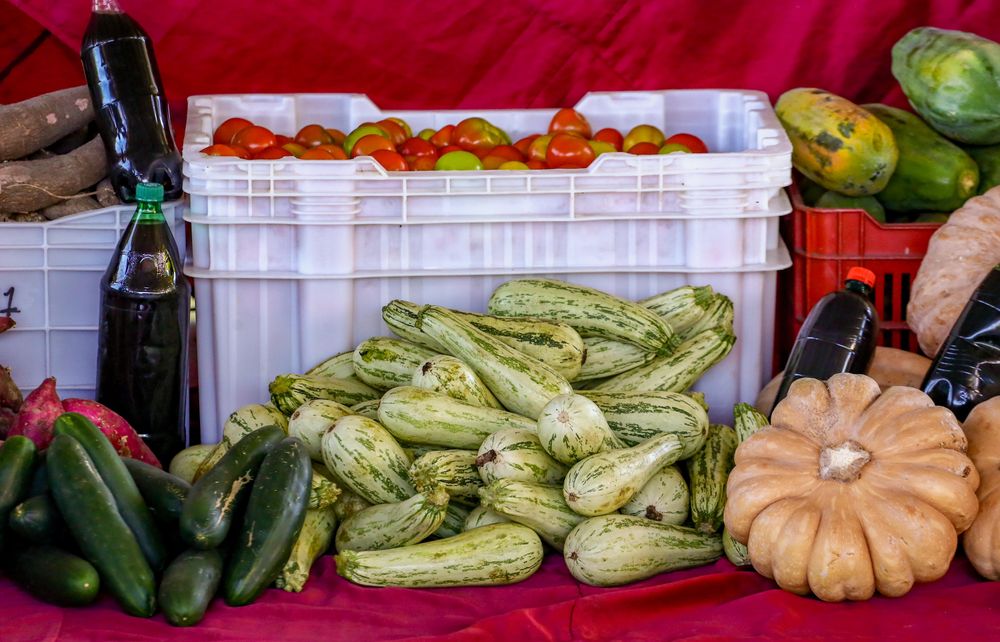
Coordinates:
<point>148,212</point>
<point>860,288</point>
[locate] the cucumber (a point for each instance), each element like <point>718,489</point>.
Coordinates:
<point>185,464</point>
<point>835,201</point>
<point>385,363</point>
<point>208,511</point>
<point>708,470</point>
<point>419,416</point>
<point>273,520</point>
<point>664,498</point>
<point>394,525</point>
<point>607,357</point>
<point>349,503</point>
<point>241,423</point>
<point>988,160</point>
<point>55,576</point>
<point>39,484</point>
<point>188,586</point>
<point>482,516</point>
<point>446,374</point>
<point>522,384</point>
<point>493,555</point>
<point>517,455</point>
<point>540,508</point>
<point>37,520</point>
<point>636,417</point>
<point>17,462</point>
<point>572,427</point>
<point>612,550</point>
<point>590,312</point>
<point>312,420</point>
<point>163,493</point>
<point>289,391</point>
<point>719,315</point>
<point>314,539</point>
<point>368,459</point>
<point>339,366</point>
<point>116,477</point>
<point>675,373</point>
<point>367,409</point>
<point>604,482</point>
<point>454,520</point>
<point>323,491</point>
<point>681,307</point>
<point>92,516</point>
<point>453,470</point>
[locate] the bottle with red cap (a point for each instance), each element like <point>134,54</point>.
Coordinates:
<point>839,334</point>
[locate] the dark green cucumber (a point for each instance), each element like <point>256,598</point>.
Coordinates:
<point>209,507</point>
<point>92,516</point>
<point>37,520</point>
<point>39,479</point>
<point>274,517</point>
<point>835,201</point>
<point>988,160</point>
<point>188,586</point>
<point>55,576</point>
<point>164,493</point>
<point>17,461</point>
<point>118,480</point>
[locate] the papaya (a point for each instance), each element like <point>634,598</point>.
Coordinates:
<point>932,173</point>
<point>837,144</point>
<point>988,160</point>
<point>932,217</point>
<point>835,201</point>
<point>952,79</point>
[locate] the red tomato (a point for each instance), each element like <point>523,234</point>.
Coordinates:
<point>225,132</point>
<point>272,153</point>
<point>494,162</point>
<point>417,147</point>
<point>368,144</point>
<point>317,153</point>
<point>536,164</point>
<point>642,134</point>
<point>392,161</point>
<point>477,135</point>
<point>569,149</point>
<point>644,149</point>
<point>442,136</point>
<point>396,132</point>
<point>536,151</point>
<point>507,151</point>
<point>690,141</point>
<point>612,136</point>
<point>570,121</point>
<point>402,123</point>
<point>225,150</point>
<point>423,163</point>
<point>449,148</point>
<point>282,140</point>
<point>255,138</point>
<point>334,150</point>
<point>313,135</point>
<point>337,135</point>
<point>523,144</point>
<point>481,153</point>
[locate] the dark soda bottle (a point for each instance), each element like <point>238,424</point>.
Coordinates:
<point>838,335</point>
<point>145,306</point>
<point>131,109</point>
<point>966,370</point>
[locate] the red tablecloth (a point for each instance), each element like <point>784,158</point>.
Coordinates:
<point>715,602</point>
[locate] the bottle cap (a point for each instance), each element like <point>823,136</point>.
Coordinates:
<point>149,192</point>
<point>864,275</point>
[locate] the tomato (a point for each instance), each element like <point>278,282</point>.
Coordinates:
<point>480,153</point>
<point>255,138</point>
<point>294,149</point>
<point>568,149</point>
<point>422,163</point>
<point>417,147</point>
<point>272,153</point>
<point>494,162</point>
<point>337,135</point>
<point>601,147</point>
<point>643,134</point>
<point>426,134</point>
<point>402,123</point>
<point>360,132</point>
<point>644,149</point>
<point>312,135</point>
<point>334,150</point>
<point>392,161</point>
<point>442,137</point>
<point>690,141</point>
<point>458,160</point>
<point>477,134</point>
<point>523,144</point>
<point>368,144</point>
<point>225,150</point>
<point>396,132</point>
<point>569,121</point>
<point>513,165</point>
<point>674,148</point>
<point>536,151</point>
<point>609,135</point>
<point>317,153</point>
<point>507,151</point>
<point>282,140</point>
<point>449,148</point>
<point>226,132</point>
<point>536,164</point>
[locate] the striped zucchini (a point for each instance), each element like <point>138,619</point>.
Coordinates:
<point>314,539</point>
<point>482,516</point>
<point>393,525</point>
<point>311,420</point>
<point>186,463</point>
<point>612,550</point>
<point>416,451</point>
<point>446,374</point>
<point>664,498</point>
<point>521,383</point>
<point>572,427</point>
<point>517,455</point>
<point>367,458</point>
<point>676,372</point>
<point>541,508</point>
<point>454,520</point>
<point>453,470</point>
<point>636,417</point>
<point>604,482</point>
<point>555,344</point>
<point>736,552</point>
<point>349,503</point>
<point>489,556</point>
<point>241,423</point>
<point>708,470</point>
<point>385,363</point>
<point>323,491</point>
<point>719,316</point>
<point>290,391</point>
<point>698,397</point>
<point>681,307</point>
<point>367,409</point>
<point>421,416</point>
<point>746,421</point>
<point>607,357</point>
<point>339,366</point>
<point>590,312</point>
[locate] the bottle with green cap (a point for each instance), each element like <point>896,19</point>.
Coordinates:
<point>145,305</point>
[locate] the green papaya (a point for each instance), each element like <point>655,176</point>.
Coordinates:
<point>988,159</point>
<point>932,173</point>
<point>835,201</point>
<point>932,217</point>
<point>952,79</point>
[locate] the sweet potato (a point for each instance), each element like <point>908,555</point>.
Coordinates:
<point>37,414</point>
<point>6,323</point>
<point>122,436</point>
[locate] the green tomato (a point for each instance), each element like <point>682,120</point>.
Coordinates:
<point>458,160</point>
<point>360,133</point>
<point>513,165</point>
<point>426,134</point>
<point>601,147</point>
<point>674,148</point>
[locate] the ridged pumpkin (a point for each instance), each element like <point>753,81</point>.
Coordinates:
<point>982,540</point>
<point>852,491</point>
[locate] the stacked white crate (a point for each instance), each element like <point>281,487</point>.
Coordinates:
<point>293,259</point>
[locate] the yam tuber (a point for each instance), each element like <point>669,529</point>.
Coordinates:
<point>27,186</point>
<point>30,125</point>
<point>74,205</point>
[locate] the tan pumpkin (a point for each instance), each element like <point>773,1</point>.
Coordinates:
<point>852,491</point>
<point>982,540</point>
<point>959,256</point>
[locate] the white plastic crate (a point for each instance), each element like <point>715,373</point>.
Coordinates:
<point>50,274</point>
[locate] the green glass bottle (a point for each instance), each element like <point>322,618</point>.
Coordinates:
<point>142,370</point>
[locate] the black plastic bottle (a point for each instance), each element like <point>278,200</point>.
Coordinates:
<point>966,370</point>
<point>130,107</point>
<point>838,335</point>
<point>142,369</point>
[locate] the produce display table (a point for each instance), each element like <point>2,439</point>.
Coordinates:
<point>707,603</point>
